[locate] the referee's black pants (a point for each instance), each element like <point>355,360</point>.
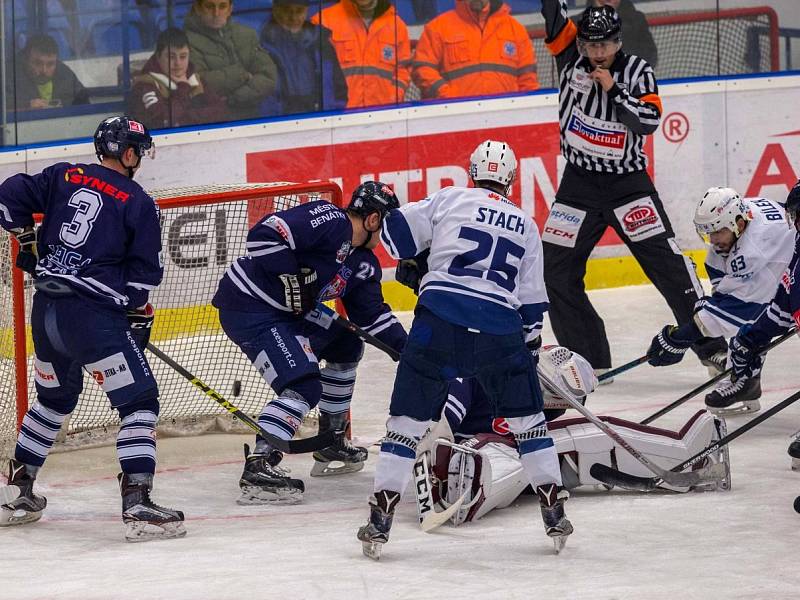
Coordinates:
<point>585,205</point>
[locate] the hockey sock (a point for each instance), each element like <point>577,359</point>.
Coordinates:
<point>536,449</point>
<point>39,430</point>
<point>338,381</point>
<point>398,453</point>
<point>282,417</point>
<point>136,442</point>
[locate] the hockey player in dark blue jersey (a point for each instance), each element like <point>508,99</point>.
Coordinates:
<point>95,258</point>
<point>781,315</point>
<point>296,258</point>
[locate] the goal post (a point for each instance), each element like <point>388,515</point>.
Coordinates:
<point>204,229</point>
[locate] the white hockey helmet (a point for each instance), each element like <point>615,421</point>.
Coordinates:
<point>493,161</point>
<point>719,208</point>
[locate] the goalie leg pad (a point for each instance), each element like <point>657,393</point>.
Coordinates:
<point>536,449</point>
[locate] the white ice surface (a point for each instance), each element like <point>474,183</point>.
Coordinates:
<point>739,544</point>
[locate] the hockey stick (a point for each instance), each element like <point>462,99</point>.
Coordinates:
<point>310,444</point>
<point>429,517</point>
<point>622,368</point>
<point>613,476</point>
<point>711,382</point>
<point>674,479</point>
<point>324,316</point>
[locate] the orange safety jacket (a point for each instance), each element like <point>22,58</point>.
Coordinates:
<point>455,56</point>
<point>375,60</point>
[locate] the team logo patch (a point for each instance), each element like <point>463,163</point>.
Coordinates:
<point>45,374</point>
<point>786,282</point>
<point>562,225</point>
<point>343,252</point>
<point>388,53</point>
<point>111,373</point>
<point>640,219</point>
<point>510,49</point>
<point>305,344</point>
<point>135,126</point>
<point>338,284</point>
<point>500,426</point>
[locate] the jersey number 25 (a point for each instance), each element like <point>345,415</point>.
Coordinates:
<point>501,271</point>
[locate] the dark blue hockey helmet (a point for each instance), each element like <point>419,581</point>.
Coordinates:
<point>793,205</point>
<point>373,196</point>
<point>599,23</point>
<point>115,135</point>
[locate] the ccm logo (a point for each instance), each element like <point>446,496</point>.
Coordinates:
<point>559,232</point>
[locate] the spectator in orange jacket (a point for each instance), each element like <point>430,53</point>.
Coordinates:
<point>477,49</point>
<point>373,48</point>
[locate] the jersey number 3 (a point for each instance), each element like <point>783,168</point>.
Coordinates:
<point>88,205</point>
<point>501,271</point>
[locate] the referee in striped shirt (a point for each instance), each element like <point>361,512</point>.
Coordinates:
<point>608,103</point>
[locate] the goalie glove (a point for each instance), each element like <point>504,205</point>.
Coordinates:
<point>301,290</point>
<point>667,347</point>
<point>27,257</point>
<point>141,323</point>
<point>410,271</point>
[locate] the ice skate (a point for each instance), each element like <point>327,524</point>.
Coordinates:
<point>375,533</point>
<point>713,354</point>
<point>19,505</point>
<point>145,520</point>
<point>264,482</point>
<point>794,452</point>
<point>735,397</point>
<point>343,457</point>
<point>556,524</point>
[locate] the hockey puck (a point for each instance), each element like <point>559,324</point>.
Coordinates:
<point>237,388</point>
<point>797,504</point>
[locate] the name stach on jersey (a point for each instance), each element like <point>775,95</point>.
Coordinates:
<point>76,176</point>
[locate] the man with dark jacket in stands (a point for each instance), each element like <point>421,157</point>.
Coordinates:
<point>229,58</point>
<point>42,80</point>
<point>309,76</point>
<point>635,30</point>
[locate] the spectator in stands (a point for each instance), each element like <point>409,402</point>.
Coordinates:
<point>42,80</point>
<point>229,58</point>
<point>168,91</point>
<point>373,47</point>
<point>309,76</point>
<point>636,33</point>
<point>476,49</point>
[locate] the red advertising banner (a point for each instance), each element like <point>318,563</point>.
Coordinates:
<point>417,166</point>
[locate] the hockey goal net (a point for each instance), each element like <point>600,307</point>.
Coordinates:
<point>698,44</point>
<point>203,230</point>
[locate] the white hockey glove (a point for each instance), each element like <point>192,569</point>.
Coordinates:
<point>568,370</point>
<point>28,255</point>
<point>301,290</point>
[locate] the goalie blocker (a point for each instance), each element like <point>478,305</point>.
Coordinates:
<point>483,470</point>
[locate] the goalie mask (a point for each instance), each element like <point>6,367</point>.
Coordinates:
<point>568,370</point>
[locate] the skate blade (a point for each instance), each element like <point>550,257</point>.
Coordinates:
<point>256,496</point>
<point>142,531</point>
<point>10,517</point>
<point>748,406</point>
<point>372,549</point>
<point>325,469</point>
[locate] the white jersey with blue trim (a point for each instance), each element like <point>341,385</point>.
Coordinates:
<point>485,264</point>
<point>751,270</point>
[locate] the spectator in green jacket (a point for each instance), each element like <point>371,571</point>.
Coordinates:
<point>229,58</point>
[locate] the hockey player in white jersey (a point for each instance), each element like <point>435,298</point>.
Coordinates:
<point>749,247</point>
<point>482,300</point>
<point>483,462</point>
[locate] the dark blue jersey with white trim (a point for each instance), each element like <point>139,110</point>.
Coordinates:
<point>100,234</point>
<point>314,235</point>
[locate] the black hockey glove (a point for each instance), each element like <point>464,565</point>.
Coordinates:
<point>745,361</point>
<point>667,348</point>
<point>28,255</point>
<point>301,290</point>
<point>141,323</point>
<point>534,346</point>
<point>410,271</point>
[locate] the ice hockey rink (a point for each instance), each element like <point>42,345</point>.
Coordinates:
<point>714,545</point>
